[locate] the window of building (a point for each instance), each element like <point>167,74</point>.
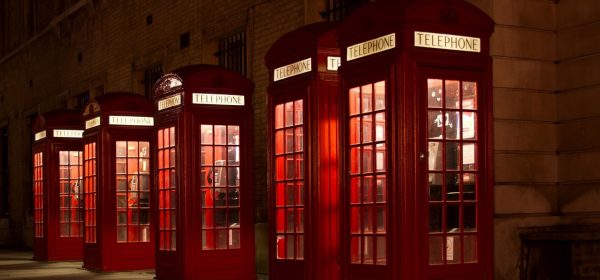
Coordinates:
<point>220,185</point>
<point>90,194</point>
<point>4,171</point>
<point>80,100</point>
<point>232,53</point>
<point>71,199</point>
<point>368,174</point>
<point>133,191</point>
<point>289,180</point>
<point>340,9</point>
<point>167,190</point>
<point>151,75</point>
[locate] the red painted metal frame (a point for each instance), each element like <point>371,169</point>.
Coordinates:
<point>405,69</point>
<point>107,254</point>
<point>319,92</point>
<point>188,260</point>
<point>52,246</point>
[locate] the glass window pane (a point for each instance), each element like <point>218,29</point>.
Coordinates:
<point>222,239</point>
<point>132,149</point>
<point>220,134</point>
<point>354,219</point>
<point>436,249</point>
<point>279,144</point>
<point>367,129</point>
<point>470,247</point>
<point>355,190</point>
<point>469,152</point>
<point>381,250</point>
<point>434,121</point>
<point>381,189</point>
<point>469,100</point>
<point>289,114</point>
<point>452,94</point>
<point>289,247</point>
<point>367,98</point>
<point>380,126</point>
<point>279,116</point>
<point>435,156</point>
<point>435,218</point>
<point>380,161</point>
<point>469,187</point>
<point>470,217</point>
<point>354,130</point>
<point>354,101</point>
<point>380,95</point>
<point>235,239</point>
<point>368,249</point>
<point>367,159</point>
<point>206,134</point>
<point>453,249</point>
<point>355,249</point>
<point>452,218</point>
<point>121,148</point>
<point>299,220</point>
<point>280,243</point>
<point>452,186</point>
<point>298,116</point>
<point>299,247</point>
<point>367,219</point>
<point>434,93</point>
<point>207,157</point>
<point>435,186</point>
<point>469,127</point>
<point>299,142</point>
<point>452,121</point>
<point>354,160</point>
<point>367,189</point>
<point>452,155</point>
<point>233,135</point>
<point>381,219</point>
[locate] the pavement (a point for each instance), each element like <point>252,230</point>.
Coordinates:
<point>19,265</point>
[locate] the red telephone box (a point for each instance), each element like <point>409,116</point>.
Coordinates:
<point>416,128</point>
<point>303,154</point>
<point>205,195</point>
<point>117,145</point>
<point>57,181</point>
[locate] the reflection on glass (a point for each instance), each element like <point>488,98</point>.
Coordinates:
<point>367,98</point>
<point>469,157</point>
<point>380,95</point>
<point>435,156</point>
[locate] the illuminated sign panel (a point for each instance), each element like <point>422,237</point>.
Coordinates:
<point>67,133</point>
<point>218,99</point>
<point>130,120</point>
<point>447,42</point>
<point>333,62</point>
<point>169,102</point>
<point>377,45</point>
<point>40,135</point>
<point>92,123</point>
<point>294,69</point>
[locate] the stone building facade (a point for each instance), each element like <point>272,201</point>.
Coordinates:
<point>546,56</point>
